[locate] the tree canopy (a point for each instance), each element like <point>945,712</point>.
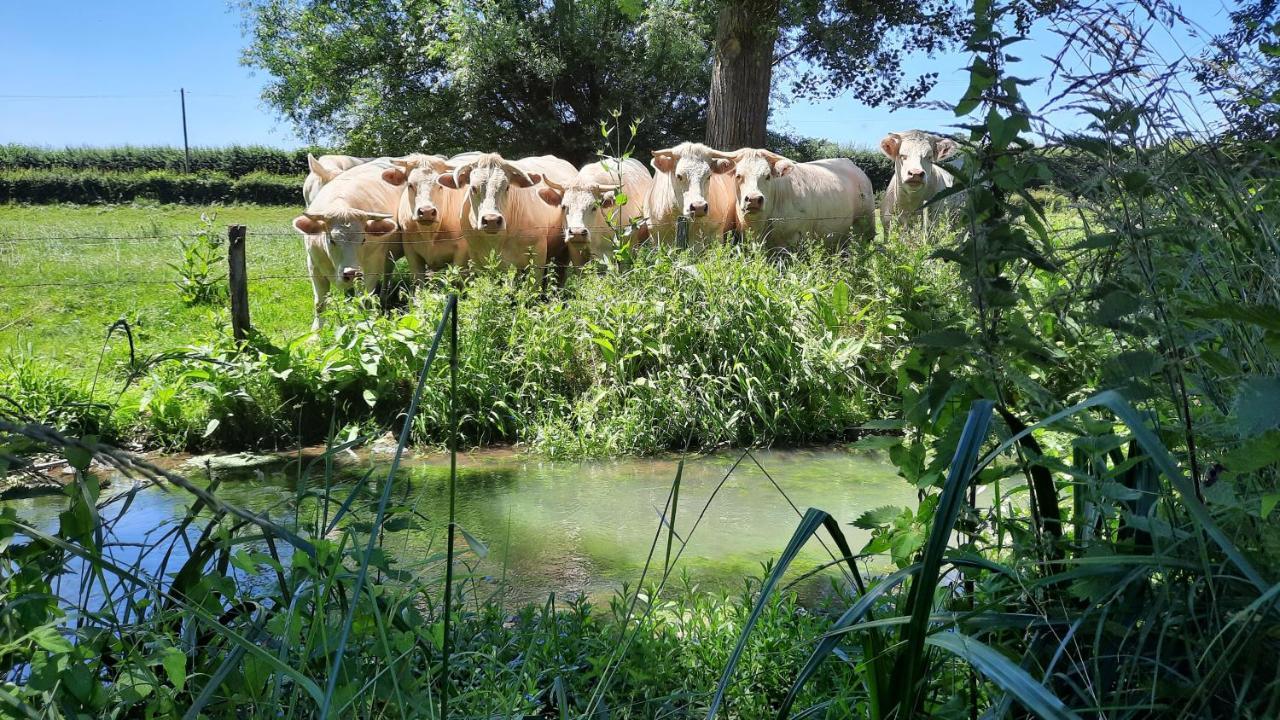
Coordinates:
<point>511,75</point>
<point>516,75</point>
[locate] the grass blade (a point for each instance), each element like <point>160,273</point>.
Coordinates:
<point>920,598</point>
<point>809,524</point>
<point>1004,673</point>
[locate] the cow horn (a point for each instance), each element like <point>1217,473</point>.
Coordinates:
<point>607,188</point>
<point>546,180</point>
<point>371,215</point>
<point>315,216</point>
<point>439,164</point>
<point>722,155</point>
<point>667,152</point>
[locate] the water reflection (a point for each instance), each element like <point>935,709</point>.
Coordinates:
<point>575,528</point>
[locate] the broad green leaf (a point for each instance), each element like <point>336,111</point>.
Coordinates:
<point>1257,405</point>
<point>174,662</point>
<point>1255,453</point>
<point>879,517</point>
<point>1264,316</point>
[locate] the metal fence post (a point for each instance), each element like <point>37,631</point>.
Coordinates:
<point>238,282</point>
<point>682,231</point>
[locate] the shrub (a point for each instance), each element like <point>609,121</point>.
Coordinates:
<point>88,186</point>
<point>235,161</point>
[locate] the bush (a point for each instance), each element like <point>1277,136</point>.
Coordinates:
<point>731,348</point>
<point>235,161</point>
<point>91,186</point>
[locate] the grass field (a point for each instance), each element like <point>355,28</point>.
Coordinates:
<point>73,270</point>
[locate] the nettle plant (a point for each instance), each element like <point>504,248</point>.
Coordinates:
<point>200,280</point>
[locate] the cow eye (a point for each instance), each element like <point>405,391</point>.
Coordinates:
<point>680,177</point>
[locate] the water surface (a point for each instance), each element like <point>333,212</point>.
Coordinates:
<point>573,528</point>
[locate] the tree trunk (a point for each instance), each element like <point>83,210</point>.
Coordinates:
<point>738,105</point>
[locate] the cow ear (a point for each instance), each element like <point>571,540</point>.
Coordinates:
<point>782,167</point>
<point>550,196</point>
<point>381,226</point>
<point>525,180</point>
<point>890,144</point>
<point>720,166</point>
<point>320,170</point>
<point>448,180</point>
<point>394,176</point>
<point>944,148</point>
<point>663,162</point>
<point>308,225</point>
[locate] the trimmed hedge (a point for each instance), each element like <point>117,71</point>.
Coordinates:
<point>236,161</point>
<point>85,186</point>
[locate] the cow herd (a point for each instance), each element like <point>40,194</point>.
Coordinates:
<point>481,208</point>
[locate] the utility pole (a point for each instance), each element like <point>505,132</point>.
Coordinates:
<point>186,150</point>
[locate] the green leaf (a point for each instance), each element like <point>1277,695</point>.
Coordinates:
<point>881,516</point>
<point>1257,405</point>
<point>175,666</point>
<point>1255,454</point>
<point>1005,674</point>
<point>78,457</point>
<point>1269,502</point>
<point>370,397</point>
<point>50,639</point>
<point>943,338</point>
<point>1264,316</point>
<point>1117,305</point>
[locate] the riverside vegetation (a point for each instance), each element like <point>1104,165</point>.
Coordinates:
<point>1086,389</point>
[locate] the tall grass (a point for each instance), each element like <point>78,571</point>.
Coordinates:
<point>1122,563</point>
<point>671,352</point>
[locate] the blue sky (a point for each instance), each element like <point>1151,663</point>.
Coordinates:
<point>110,74</point>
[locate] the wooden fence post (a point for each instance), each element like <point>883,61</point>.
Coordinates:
<point>238,281</point>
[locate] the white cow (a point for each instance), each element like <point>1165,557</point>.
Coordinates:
<point>592,218</point>
<point>323,169</point>
<point>501,217</point>
<point>350,230</point>
<point>690,180</point>
<point>429,215</point>
<point>916,176</point>
<point>780,201</point>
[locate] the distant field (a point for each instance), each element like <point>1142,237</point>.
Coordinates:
<point>71,271</point>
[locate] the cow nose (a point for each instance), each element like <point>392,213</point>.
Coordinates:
<point>426,214</point>
<point>698,209</point>
<point>755,201</point>
<point>577,232</point>
<point>349,274</point>
<point>491,222</point>
<point>915,175</point>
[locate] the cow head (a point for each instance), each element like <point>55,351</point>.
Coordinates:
<point>343,234</point>
<point>690,167</point>
<point>754,172</point>
<point>583,206</point>
<point>914,154</point>
<point>487,180</point>
<point>420,174</point>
